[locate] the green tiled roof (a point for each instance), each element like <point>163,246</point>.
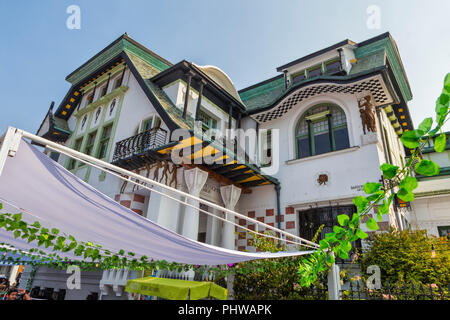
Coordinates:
<point>264,95</point>
<point>61,124</point>
<point>369,62</point>
<point>371,56</point>
<point>174,113</point>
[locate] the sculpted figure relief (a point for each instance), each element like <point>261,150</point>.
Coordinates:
<point>367,114</point>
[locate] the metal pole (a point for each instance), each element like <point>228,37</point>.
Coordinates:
<point>334,282</point>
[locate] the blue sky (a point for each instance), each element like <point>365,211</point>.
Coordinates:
<point>248,39</point>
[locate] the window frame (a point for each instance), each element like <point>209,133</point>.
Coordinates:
<point>104,141</point>
<point>315,118</point>
<point>155,120</point>
<point>88,145</point>
<point>77,147</point>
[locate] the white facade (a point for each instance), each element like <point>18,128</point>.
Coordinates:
<point>431,208</point>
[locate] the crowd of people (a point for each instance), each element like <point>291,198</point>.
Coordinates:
<point>8,292</point>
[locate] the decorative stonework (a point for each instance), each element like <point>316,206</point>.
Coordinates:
<point>367,114</point>
<point>322,179</point>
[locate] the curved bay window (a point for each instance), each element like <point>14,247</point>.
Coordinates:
<point>322,129</point>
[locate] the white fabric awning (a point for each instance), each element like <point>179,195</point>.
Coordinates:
<point>44,191</point>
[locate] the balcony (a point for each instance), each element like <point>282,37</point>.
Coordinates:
<point>134,152</point>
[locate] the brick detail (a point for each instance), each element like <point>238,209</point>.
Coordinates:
<point>260,219</point>
<point>251,214</point>
<point>269,212</point>
<point>126,203</point>
<point>290,225</point>
<point>251,227</point>
<point>139,212</point>
<point>241,235</point>
<point>241,248</point>
<point>139,198</point>
<point>271,224</point>
<point>242,222</point>
<point>117,197</point>
<point>290,210</point>
<point>282,218</point>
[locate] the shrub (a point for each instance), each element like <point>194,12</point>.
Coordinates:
<point>406,256</point>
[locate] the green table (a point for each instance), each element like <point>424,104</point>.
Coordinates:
<point>174,289</point>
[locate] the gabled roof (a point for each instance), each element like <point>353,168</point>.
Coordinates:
<point>123,43</point>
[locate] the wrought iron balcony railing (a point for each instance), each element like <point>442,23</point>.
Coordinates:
<point>139,144</point>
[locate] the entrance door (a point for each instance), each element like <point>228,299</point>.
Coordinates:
<point>310,220</point>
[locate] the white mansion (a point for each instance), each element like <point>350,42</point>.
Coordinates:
<point>325,122</point>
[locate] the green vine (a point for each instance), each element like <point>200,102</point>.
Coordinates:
<point>400,183</point>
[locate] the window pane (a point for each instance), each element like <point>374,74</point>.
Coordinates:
<point>322,143</point>
<point>303,147</point>
<point>333,67</point>
<point>315,72</point>
<point>148,124</point>
<point>341,138</point>
<point>298,77</point>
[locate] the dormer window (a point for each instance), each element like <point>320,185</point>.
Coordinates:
<point>117,82</point>
<point>103,90</point>
<point>333,67</point>
<point>315,71</point>
<point>90,98</point>
<point>208,122</point>
<point>298,77</point>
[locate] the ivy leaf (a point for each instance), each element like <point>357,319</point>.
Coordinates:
<point>405,195</point>
<point>409,183</point>
<point>330,259</point>
<point>346,246</point>
<point>383,208</point>
<point>425,126</point>
<point>361,234</point>
<point>324,244</point>
<point>447,82</point>
<point>360,203</point>
<point>439,143</point>
<point>342,254</point>
<point>427,168</point>
<point>371,187</point>
<point>389,170</point>
<point>371,224</point>
<point>343,219</point>
<point>55,231</point>
<point>411,138</point>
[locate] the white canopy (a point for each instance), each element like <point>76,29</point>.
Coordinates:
<point>44,191</point>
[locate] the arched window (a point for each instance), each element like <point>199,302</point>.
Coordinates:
<point>321,129</point>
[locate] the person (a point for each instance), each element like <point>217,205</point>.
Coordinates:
<point>17,294</point>
<point>4,286</point>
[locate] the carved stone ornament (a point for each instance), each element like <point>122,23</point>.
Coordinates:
<point>322,179</point>
<point>367,114</point>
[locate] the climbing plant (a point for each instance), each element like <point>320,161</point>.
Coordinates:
<point>400,183</point>
<point>90,256</point>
